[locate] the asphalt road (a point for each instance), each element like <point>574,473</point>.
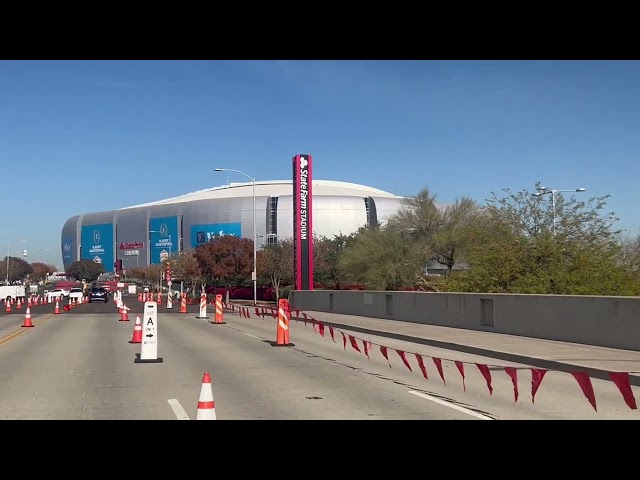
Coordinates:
<point>80,365</point>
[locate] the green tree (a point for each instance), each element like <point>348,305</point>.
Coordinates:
<point>86,269</point>
<point>630,253</point>
<point>275,264</point>
<point>514,248</point>
<point>450,238</point>
<point>439,230</point>
<point>18,269</point>
<point>327,253</point>
<point>383,259</point>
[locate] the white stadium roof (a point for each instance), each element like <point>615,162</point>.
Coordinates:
<point>272,188</point>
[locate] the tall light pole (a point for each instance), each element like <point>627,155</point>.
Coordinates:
<point>254,275</point>
<point>553,191</point>
<point>8,245</point>
<point>170,242</point>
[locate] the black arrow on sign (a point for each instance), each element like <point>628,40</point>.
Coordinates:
<point>149,335</point>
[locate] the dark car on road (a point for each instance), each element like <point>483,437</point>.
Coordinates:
<point>98,294</point>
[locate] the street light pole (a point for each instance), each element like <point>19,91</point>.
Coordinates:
<point>254,274</point>
<point>8,245</point>
<point>553,192</point>
<point>170,242</point>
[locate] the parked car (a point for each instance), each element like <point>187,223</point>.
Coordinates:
<point>76,293</point>
<point>57,293</point>
<point>98,294</point>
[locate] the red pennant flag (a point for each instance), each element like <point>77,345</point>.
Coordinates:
<point>537,374</point>
<point>354,344</point>
<point>321,328</point>
<point>486,373</point>
<point>621,380</point>
<point>438,363</point>
<point>248,313</point>
<point>421,365</point>
<point>587,388</point>
<point>367,347</point>
<point>297,312</point>
<point>257,312</point>
<point>513,373</point>
<point>460,366</point>
<point>383,350</point>
<point>304,315</point>
<point>331,332</point>
<point>344,341</point>
<point>403,356</point>
<point>313,320</point>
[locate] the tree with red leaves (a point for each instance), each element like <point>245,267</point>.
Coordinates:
<point>225,260</point>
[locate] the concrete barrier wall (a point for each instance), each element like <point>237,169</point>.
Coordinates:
<point>603,321</point>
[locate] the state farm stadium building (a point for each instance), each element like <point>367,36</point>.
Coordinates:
<point>144,234</point>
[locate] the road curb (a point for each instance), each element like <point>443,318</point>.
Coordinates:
<point>568,367</point>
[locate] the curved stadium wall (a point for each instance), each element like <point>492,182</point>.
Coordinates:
<point>142,234</point>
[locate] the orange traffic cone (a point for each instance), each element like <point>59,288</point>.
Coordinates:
<point>137,331</point>
<point>219,317</point>
<point>282,333</point>
<point>124,317</point>
<point>206,406</point>
<point>183,304</point>
<point>27,318</point>
<point>57,310</point>
<point>7,307</point>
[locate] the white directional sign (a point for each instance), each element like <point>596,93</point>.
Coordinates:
<point>149,346</point>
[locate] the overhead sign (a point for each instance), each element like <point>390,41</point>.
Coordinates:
<point>202,233</point>
<point>149,346</point>
<point>163,238</point>
<point>97,245</point>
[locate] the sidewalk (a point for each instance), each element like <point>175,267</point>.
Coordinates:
<point>549,354</point>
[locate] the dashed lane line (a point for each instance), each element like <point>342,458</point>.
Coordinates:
<point>21,330</point>
<point>439,401</point>
<point>180,412</point>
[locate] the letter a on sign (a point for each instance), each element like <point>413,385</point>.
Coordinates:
<point>149,347</point>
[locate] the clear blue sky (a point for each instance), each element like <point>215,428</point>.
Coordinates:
<point>83,136</point>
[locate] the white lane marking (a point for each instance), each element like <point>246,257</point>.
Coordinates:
<point>253,336</point>
<point>178,410</point>
<point>451,405</point>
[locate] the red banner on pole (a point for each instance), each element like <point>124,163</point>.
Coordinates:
<point>537,374</point>
<point>587,388</point>
<point>383,351</point>
<point>332,336</point>
<point>621,380</point>
<point>513,373</point>
<point>460,366</point>
<point>403,356</point>
<point>423,368</point>
<point>367,346</point>
<point>438,364</point>
<point>486,373</point>
<point>354,344</point>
